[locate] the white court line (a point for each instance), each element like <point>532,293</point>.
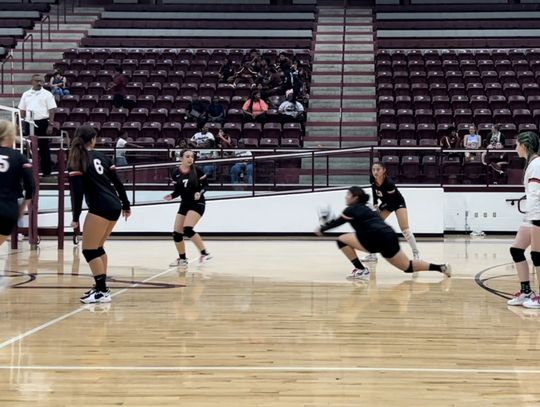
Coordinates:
<point>74,312</point>
<point>270,369</point>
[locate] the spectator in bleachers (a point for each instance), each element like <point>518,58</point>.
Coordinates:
<point>121,144</point>
<point>242,170</point>
<point>496,160</point>
<point>290,110</point>
<point>119,87</point>
<point>451,141</point>
<point>245,75</point>
<point>227,72</point>
<point>272,81</point>
<point>291,81</point>
<point>255,109</point>
<point>215,112</point>
<point>225,141</point>
<point>58,84</point>
<point>205,142</point>
<point>471,141</point>
<point>283,62</point>
<point>196,111</point>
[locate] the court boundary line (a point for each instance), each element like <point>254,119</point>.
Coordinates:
<point>76,311</point>
<point>269,369</point>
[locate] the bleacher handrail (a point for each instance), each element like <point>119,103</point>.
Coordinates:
<point>2,67</point>
<point>48,20</point>
<point>31,38</point>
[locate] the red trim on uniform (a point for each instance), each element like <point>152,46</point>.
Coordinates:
<point>113,168</point>
<point>536,180</point>
<point>345,217</point>
<point>75,173</point>
<point>27,165</point>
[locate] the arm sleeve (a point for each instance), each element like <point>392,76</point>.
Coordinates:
<point>374,194</point>
<point>113,176</point>
<point>77,193</point>
<point>28,180</point>
<point>333,223</point>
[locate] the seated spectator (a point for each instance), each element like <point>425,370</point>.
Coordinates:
<point>205,141</point>
<point>215,113</point>
<point>255,109</point>
<point>290,110</point>
<point>245,75</point>
<point>121,144</point>
<point>225,142</point>
<point>227,72</point>
<point>451,140</point>
<point>58,84</point>
<point>196,111</point>
<point>272,82</point>
<point>242,170</point>
<point>471,141</point>
<point>181,144</point>
<point>495,159</point>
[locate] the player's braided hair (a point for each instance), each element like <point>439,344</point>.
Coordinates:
<point>531,142</point>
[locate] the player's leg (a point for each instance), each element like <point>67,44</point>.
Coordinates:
<point>178,238</point>
<point>535,257</point>
<point>402,216</point>
<point>402,262</point>
<point>106,233</point>
<point>192,218</point>
<point>348,243</point>
<point>517,251</point>
<point>94,226</point>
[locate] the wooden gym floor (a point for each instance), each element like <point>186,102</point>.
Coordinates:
<point>267,323</point>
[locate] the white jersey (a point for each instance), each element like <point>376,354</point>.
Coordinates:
<point>532,190</point>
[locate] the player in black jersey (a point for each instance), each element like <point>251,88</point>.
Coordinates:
<point>93,175</point>
<point>385,190</point>
<point>373,235</point>
<point>14,168</point>
<point>190,184</point>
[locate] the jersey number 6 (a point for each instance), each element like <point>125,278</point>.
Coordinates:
<point>98,166</point>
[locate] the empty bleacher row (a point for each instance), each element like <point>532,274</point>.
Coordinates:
<point>15,20</point>
<point>160,90</point>
<point>222,25</point>
<point>420,94</point>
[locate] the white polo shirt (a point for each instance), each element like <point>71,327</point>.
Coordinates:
<point>39,102</point>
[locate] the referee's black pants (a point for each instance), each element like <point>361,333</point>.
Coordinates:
<point>43,144</point>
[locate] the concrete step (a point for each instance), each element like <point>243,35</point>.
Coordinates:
<point>330,20</point>
<point>74,18</point>
<point>358,79</point>
<point>334,56</point>
<point>321,144</point>
<point>369,132</point>
<point>319,68</point>
<point>325,103</point>
<point>318,78</point>
<point>359,47</point>
<point>323,131</point>
<point>323,117</point>
<point>329,37</point>
<point>359,67</point>
<point>68,36</point>
<point>359,90</point>
<point>330,28</point>
<point>58,46</point>
<point>325,90</point>
<point>356,104</point>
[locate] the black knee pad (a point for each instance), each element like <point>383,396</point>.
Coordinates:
<point>189,232</point>
<point>535,257</point>
<point>410,268</point>
<point>91,254</point>
<point>340,244</point>
<point>518,255</point>
<point>177,237</point>
<point>101,251</point>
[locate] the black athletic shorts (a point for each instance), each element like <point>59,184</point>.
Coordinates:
<point>7,225</point>
<point>198,207</point>
<point>385,243</point>
<point>111,215</point>
<point>393,206</point>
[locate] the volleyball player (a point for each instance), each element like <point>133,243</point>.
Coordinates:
<point>373,235</point>
<point>528,146</point>
<point>14,168</point>
<point>93,175</point>
<point>190,184</point>
<point>385,190</point>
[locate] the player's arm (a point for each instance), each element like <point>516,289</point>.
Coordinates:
<point>334,223</point>
<point>77,193</point>
<point>176,191</point>
<point>29,187</point>
<point>120,189</point>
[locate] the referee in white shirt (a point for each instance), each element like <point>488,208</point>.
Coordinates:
<point>41,105</point>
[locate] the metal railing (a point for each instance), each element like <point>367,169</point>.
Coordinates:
<point>48,19</point>
<point>2,69</point>
<point>58,7</point>
<point>31,38</point>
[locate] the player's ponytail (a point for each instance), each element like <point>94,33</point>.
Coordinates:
<point>531,142</point>
<point>359,194</point>
<point>7,130</point>
<point>79,159</point>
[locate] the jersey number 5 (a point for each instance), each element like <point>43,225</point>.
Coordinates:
<point>4,163</point>
<point>98,166</point>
